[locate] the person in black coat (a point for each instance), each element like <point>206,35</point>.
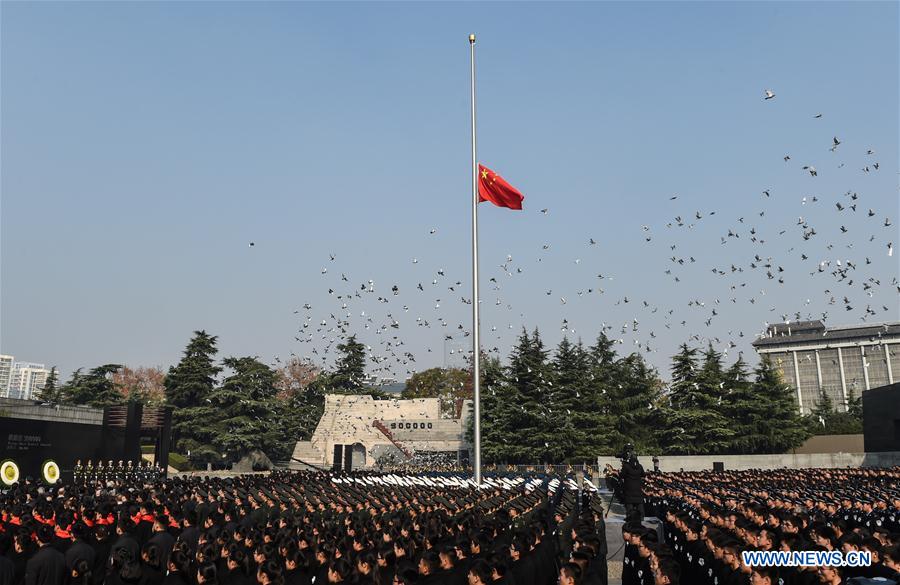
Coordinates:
<point>62,537</point>
<point>522,567</point>
<point>154,569</point>
<point>48,565</point>
<point>19,555</point>
<point>191,533</point>
<point>632,478</point>
<point>143,528</point>
<point>387,565</point>
<point>81,573</point>
<point>430,568</point>
<point>102,547</point>
<point>207,574</point>
<point>178,569</point>
<point>237,568</point>
<point>162,539</point>
<point>125,541</point>
<point>366,571</point>
<point>131,573</point>
<point>7,571</point>
<point>80,549</point>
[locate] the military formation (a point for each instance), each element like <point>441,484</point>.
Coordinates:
<point>127,471</point>
<point>710,519</point>
<point>303,528</point>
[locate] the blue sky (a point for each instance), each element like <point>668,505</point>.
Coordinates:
<point>144,145</point>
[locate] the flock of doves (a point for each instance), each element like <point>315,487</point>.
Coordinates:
<point>837,280</point>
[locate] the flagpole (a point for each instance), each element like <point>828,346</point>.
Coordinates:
<point>476,352</point>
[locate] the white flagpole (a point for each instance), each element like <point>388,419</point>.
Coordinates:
<point>476,351</point>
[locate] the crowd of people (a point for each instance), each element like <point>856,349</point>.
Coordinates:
<point>423,461</point>
<point>710,519</point>
<point>302,528</point>
<point>319,528</point>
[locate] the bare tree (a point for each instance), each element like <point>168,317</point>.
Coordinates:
<point>295,376</point>
<point>141,384</point>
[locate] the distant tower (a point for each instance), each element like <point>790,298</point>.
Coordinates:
<point>27,380</point>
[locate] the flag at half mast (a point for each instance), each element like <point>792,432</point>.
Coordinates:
<point>492,187</point>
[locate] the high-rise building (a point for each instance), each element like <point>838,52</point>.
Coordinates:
<point>27,380</point>
<point>839,361</point>
<point>6,366</point>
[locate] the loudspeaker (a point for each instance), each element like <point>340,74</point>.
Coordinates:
<point>338,457</point>
<point>718,466</point>
<point>348,457</point>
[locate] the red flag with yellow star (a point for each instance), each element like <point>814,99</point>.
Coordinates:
<point>492,187</point>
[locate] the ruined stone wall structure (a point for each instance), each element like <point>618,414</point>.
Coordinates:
<point>415,425</point>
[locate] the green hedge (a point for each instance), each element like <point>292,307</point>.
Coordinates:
<point>179,462</point>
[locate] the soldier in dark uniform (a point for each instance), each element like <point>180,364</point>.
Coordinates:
<point>631,536</point>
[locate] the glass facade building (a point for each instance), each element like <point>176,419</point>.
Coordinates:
<point>842,362</point>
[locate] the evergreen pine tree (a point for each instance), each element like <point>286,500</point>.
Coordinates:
<point>685,378</point>
<point>497,433</point>
<point>543,441</point>
<point>95,388</point>
<point>854,405</point>
<point>565,413</point>
<point>599,400</point>
<point>825,419</point>
<point>66,390</point>
<point>696,424</point>
<point>823,409</point>
<point>746,411</point>
<point>188,386</point>
<point>240,414</point>
<point>51,392</point>
<point>635,405</point>
<point>781,423</point>
<point>603,352</point>
<point>681,433</point>
<point>304,409</point>
<point>711,378</point>
<point>528,374</point>
<point>349,376</point>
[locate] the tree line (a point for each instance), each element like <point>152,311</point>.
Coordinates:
<point>223,410</point>
<point>578,403</point>
<point>585,401</point>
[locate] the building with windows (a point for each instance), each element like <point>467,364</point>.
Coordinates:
<point>842,362</point>
<point>6,367</point>
<point>27,380</point>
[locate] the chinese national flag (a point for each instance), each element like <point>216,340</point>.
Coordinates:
<point>492,187</point>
